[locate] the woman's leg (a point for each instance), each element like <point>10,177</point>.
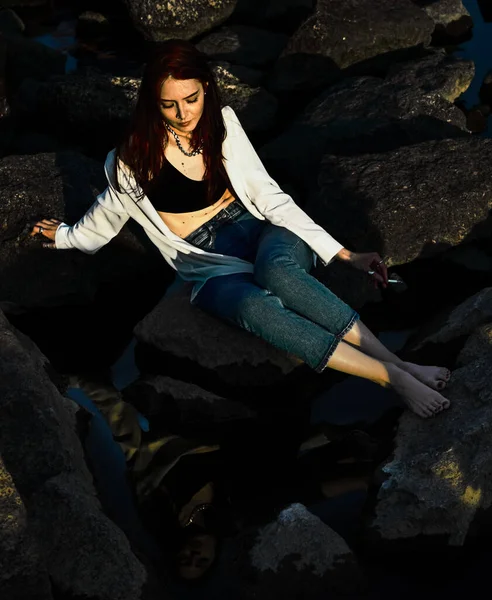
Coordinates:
<point>282,266</point>
<point>362,338</point>
<point>236,298</point>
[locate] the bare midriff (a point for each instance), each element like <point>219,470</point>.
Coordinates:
<point>182,224</point>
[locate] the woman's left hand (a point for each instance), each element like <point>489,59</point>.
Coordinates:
<point>366,261</point>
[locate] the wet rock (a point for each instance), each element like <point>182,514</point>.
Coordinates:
<point>247,46</point>
<point>62,539</point>
<point>438,480</point>
<point>412,104</point>
<point>160,21</point>
<point>450,16</point>
<point>412,202</point>
<point>183,338</point>
<point>296,556</point>
<point>255,107</point>
<point>63,186</point>
<point>341,34</point>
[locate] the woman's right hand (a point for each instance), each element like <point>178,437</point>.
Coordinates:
<point>47,227</point>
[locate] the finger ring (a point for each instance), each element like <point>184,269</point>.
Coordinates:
<point>41,229</point>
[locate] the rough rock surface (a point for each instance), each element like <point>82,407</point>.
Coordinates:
<point>184,406</point>
<point>258,12</point>
<point>445,12</point>
<point>438,480</point>
<point>412,104</point>
<point>412,202</point>
<point>163,20</point>
<point>62,186</point>
<point>296,556</point>
<point>247,46</point>
<point>176,330</point>
<point>342,33</point>
<point>56,526</point>
<point>255,107</point>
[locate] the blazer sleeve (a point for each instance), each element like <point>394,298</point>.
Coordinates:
<point>100,224</point>
<point>275,205</point>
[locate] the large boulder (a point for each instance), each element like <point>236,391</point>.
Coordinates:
<point>247,46</point>
<point>412,202</point>
<point>367,114</point>
<point>295,556</point>
<point>343,33</point>
<point>438,481</point>
<point>56,535</point>
<point>160,21</point>
<point>182,341</point>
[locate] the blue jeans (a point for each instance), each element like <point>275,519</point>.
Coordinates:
<point>280,302</point>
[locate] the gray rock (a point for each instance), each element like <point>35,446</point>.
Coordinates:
<point>343,33</point>
<point>412,104</point>
<point>185,404</point>
<point>459,322</point>
<point>247,46</point>
<point>6,123</point>
<point>445,12</point>
<point>438,479</point>
<point>412,202</point>
<point>160,21</point>
<point>246,75</point>
<point>63,186</point>
<point>179,330</point>
<point>92,26</point>
<point>272,11</point>
<point>255,107</point>
<point>57,534</point>
<point>297,555</point>
<point>11,23</point>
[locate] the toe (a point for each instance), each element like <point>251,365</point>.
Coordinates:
<point>440,385</point>
<point>446,403</point>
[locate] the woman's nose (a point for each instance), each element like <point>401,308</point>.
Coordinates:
<point>180,113</point>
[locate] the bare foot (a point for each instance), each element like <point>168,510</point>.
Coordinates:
<point>435,377</point>
<point>420,398</point>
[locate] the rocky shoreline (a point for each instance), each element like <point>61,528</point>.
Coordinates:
<point>354,109</point>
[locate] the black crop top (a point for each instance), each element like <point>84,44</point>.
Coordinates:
<point>173,192</point>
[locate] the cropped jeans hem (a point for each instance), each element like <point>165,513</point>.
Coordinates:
<point>333,346</point>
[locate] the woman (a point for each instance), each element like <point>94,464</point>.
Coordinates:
<point>189,175</point>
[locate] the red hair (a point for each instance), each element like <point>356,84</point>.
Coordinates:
<point>142,149</point>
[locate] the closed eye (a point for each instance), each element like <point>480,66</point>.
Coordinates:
<point>187,101</point>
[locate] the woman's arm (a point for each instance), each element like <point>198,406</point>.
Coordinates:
<point>100,224</point>
<point>274,204</point>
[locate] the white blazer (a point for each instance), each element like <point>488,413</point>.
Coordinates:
<point>259,193</point>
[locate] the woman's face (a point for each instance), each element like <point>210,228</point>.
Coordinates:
<point>196,556</point>
<point>181,103</point>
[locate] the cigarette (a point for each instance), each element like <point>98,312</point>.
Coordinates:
<point>389,280</point>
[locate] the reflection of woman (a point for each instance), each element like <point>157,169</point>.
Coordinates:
<point>189,175</point>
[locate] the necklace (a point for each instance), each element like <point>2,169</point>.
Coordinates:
<point>176,137</point>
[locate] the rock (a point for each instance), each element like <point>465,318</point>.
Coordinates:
<point>90,104</point>
<point>95,107</point>
<point>450,16</point>
<point>63,186</point>
<point>246,75</point>
<point>477,118</point>
<point>244,45</point>
<point>26,58</point>
<point>438,480</point>
<point>11,23</point>
<point>296,556</point>
<point>184,407</point>
<point>63,541</point>
<point>255,107</point>
<point>179,335</point>
<point>6,122</point>
<point>412,104</point>
<point>92,26</point>
<point>486,89</point>
<point>457,323</point>
<point>185,19</point>
<point>486,10</point>
<point>412,202</point>
<point>259,12</point>
<point>341,34</point>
